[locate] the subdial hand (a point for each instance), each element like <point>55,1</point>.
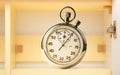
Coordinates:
<point>65,41</point>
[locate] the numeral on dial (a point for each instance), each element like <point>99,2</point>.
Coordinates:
<point>71,34</point>
<point>75,40</point>
<point>61,58</point>
<point>68,58</point>
<point>57,32</point>
<point>54,56</point>
<point>72,53</point>
<point>50,43</point>
<point>53,37</point>
<point>76,47</point>
<point>51,50</point>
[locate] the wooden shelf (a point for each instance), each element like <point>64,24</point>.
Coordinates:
<point>56,71</point>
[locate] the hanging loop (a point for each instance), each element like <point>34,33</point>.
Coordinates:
<point>68,7</point>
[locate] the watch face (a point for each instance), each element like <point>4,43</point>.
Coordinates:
<point>63,45</point>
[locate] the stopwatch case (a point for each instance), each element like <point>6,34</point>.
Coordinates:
<point>82,39</point>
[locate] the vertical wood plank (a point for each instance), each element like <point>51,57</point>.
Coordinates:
<point>108,40</point>
<point>7,40</point>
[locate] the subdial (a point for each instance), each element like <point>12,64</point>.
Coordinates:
<point>63,35</point>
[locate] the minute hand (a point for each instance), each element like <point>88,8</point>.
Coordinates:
<point>65,41</point>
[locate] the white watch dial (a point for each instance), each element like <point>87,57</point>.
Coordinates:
<point>63,45</point>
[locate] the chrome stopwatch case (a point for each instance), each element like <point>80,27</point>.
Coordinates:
<point>64,44</point>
